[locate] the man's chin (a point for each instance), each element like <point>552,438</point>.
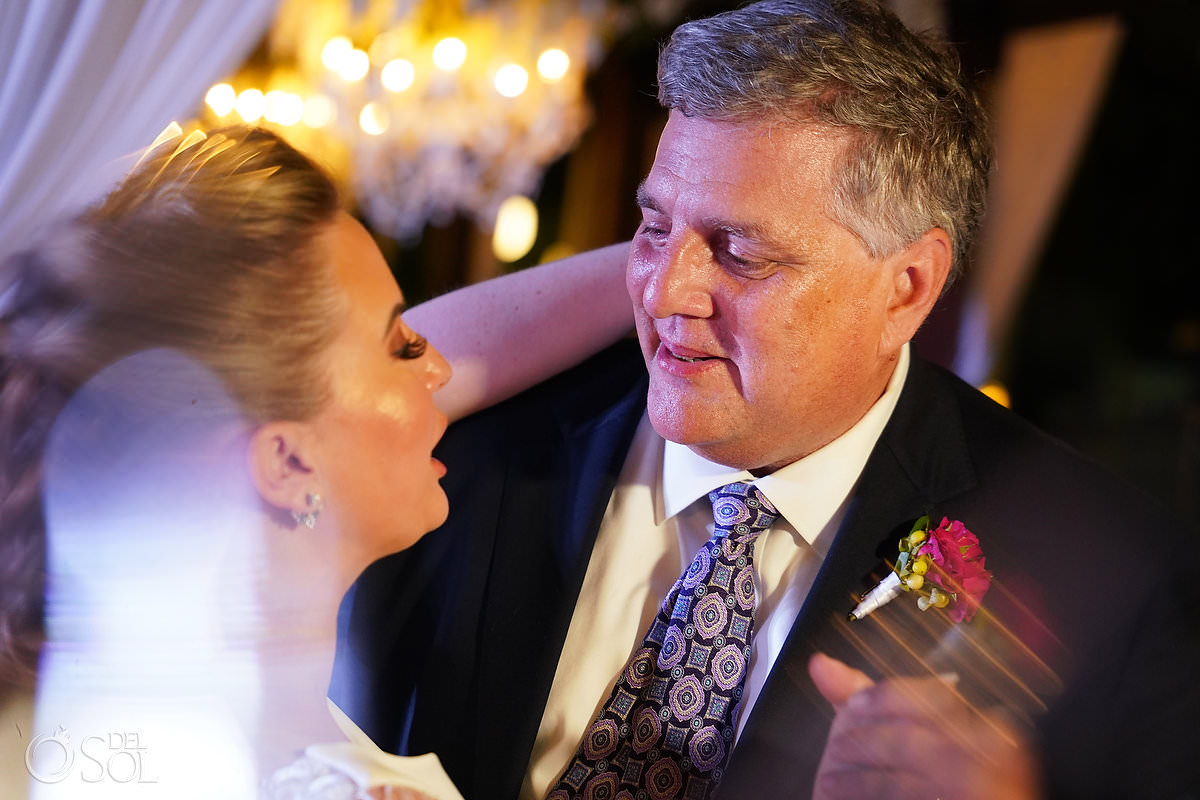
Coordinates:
<point>678,421</point>
<point>705,437</point>
<point>694,431</point>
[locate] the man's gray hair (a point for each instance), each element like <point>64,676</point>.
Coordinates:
<point>919,148</point>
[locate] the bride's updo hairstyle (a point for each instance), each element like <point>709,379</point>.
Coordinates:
<point>210,247</point>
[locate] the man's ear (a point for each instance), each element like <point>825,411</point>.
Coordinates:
<point>283,465</point>
<point>918,272</point>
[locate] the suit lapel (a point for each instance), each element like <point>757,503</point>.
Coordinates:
<point>919,462</point>
<point>548,520</point>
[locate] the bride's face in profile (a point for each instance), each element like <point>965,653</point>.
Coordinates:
<point>375,438</point>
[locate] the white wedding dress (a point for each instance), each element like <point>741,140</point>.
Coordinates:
<point>348,770</point>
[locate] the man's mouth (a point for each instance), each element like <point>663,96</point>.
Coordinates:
<point>687,355</point>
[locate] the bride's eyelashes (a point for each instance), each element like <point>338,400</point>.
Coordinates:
<point>413,348</point>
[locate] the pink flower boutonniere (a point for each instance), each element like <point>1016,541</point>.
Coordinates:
<point>943,566</point>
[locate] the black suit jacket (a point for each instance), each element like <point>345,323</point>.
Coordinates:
<point>1087,634</point>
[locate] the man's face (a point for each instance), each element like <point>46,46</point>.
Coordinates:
<point>760,318</point>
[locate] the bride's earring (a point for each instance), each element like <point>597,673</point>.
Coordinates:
<point>308,517</point>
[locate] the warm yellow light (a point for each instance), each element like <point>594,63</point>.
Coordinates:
<point>355,65</point>
<point>221,99</point>
<point>383,47</point>
<point>449,54</point>
<point>553,64</point>
<point>272,104</point>
<point>516,228</point>
<point>250,104</point>
<point>334,53</point>
<point>283,108</point>
<point>997,392</point>
<point>556,252</point>
<point>397,75</point>
<point>511,80</point>
<point>293,109</point>
<point>318,111</point>
<point>373,119</point>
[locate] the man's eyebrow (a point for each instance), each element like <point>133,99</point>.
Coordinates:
<point>746,230</point>
<point>644,200</point>
<point>397,310</point>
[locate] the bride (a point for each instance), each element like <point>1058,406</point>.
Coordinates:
<point>215,412</point>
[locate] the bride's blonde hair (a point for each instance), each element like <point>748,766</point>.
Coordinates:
<point>210,246</point>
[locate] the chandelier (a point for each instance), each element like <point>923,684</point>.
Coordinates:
<point>427,109</point>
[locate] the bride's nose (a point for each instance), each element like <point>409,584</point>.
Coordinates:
<point>437,369</point>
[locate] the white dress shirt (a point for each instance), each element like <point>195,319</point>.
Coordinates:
<point>656,520</point>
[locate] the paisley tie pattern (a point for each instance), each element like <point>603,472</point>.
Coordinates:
<point>666,731</point>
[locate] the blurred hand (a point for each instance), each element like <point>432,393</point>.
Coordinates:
<point>394,793</point>
<point>914,738</point>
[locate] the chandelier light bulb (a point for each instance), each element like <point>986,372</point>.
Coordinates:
<point>449,54</point>
<point>553,64</point>
<point>373,119</point>
<point>355,65</point>
<point>397,75</point>
<point>272,105</point>
<point>221,99</point>
<point>334,53</point>
<point>318,111</point>
<point>249,105</point>
<point>511,80</point>
<point>516,228</point>
<point>293,109</point>
<point>282,108</point>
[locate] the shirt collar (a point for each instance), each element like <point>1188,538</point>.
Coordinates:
<point>807,492</point>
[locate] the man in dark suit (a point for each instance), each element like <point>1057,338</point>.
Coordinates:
<point>816,184</point>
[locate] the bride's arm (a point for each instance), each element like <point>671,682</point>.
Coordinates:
<point>507,334</point>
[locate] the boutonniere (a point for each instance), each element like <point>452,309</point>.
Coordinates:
<point>942,566</point>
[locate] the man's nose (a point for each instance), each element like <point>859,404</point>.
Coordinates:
<point>679,280</point>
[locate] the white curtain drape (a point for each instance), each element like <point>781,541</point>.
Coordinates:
<point>85,82</point>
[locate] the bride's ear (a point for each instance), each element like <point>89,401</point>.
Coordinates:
<point>283,465</point>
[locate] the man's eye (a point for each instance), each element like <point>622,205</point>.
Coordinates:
<point>734,259</point>
<point>741,263</point>
<point>652,231</point>
<point>413,348</point>
<point>745,267</point>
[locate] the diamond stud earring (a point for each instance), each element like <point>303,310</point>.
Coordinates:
<point>308,518</point>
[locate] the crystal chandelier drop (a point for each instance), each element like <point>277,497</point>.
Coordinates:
<point>436,108</point>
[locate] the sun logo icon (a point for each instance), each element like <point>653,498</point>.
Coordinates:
<point>49,758</point>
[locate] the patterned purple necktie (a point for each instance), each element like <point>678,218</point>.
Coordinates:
<point>666,731</point>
